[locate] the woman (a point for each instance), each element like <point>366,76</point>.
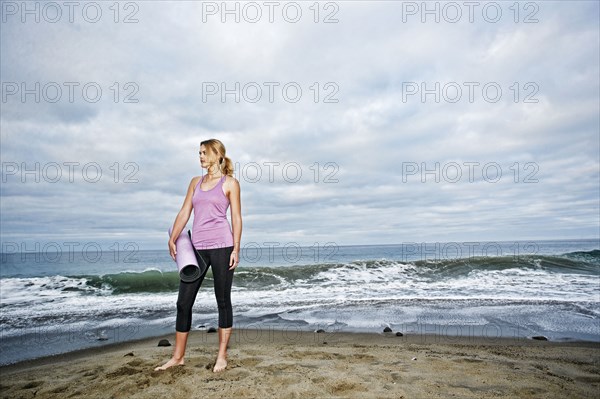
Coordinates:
<point>216,244</point>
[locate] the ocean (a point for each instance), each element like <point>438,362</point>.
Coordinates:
<point>55,302</point>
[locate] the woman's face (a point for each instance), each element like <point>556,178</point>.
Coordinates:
<point>203,157</point>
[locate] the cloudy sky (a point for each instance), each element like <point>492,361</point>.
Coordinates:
<point>353,122</point>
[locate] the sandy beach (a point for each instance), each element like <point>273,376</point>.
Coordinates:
<point>303,364</point>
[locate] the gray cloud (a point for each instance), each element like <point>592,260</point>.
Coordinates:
<point>369,136</point>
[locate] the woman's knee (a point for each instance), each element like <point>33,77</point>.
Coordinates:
<point>224,303</point>
<point>183,306</point>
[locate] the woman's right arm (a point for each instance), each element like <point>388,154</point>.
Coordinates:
<point>182,217</point>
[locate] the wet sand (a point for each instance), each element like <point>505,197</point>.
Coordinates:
<point>304,364</point>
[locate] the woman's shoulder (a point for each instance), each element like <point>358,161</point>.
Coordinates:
<point>230,179</point>
<point>195,181</point>
<point>231,183</point>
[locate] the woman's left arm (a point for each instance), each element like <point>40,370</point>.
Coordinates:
<point>236,220</point>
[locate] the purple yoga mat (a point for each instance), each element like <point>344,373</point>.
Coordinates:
<point>187,264</point>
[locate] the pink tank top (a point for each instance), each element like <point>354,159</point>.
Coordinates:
<point>211,228</point>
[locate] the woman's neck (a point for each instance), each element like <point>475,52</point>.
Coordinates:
<point>214,174</point>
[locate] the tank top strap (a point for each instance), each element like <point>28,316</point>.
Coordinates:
<point>202,178</point>
<point>198,184</point>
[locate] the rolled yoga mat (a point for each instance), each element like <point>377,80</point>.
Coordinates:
<point>187,263</point>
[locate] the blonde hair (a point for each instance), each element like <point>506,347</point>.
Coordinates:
<point>216,151</point>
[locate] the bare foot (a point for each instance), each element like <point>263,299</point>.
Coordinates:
<point>170,363</point>
<point>220,365</point>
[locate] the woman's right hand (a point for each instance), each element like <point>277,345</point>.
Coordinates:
<point>172,249</point>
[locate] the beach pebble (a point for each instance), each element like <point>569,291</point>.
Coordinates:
<point>128,354</point>
<point>164,342</point>
<point>399,334</point>
<point>540,338</point>
<point>387,329</point>
<point>211,330</point>
<point>414,358</point>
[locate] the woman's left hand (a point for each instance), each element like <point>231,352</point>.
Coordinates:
<point>233,260</point>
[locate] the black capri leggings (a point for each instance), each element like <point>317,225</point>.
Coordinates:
<point>218,260</point>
